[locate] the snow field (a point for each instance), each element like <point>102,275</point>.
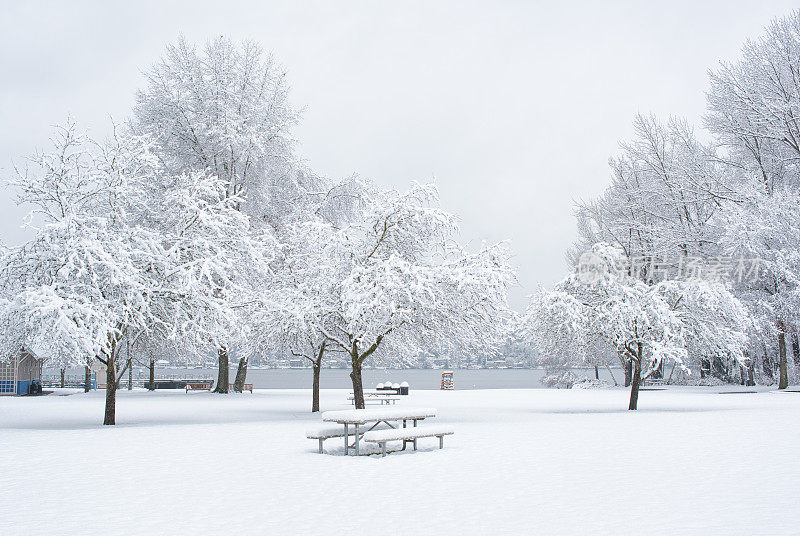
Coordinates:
<point>690,461</point>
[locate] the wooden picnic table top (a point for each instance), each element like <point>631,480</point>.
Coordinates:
<point>362,416</point>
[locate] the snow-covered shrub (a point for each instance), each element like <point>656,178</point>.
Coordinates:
<point>591,383</point>
<point>560,379</point>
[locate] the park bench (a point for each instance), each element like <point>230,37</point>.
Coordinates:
<point>381,437</point>
<point>199,385</point>
<point>653,382</point>
<point>325,433</point>
<point>245,387</point>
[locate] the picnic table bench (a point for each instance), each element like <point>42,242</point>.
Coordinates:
<point>382,400</point>
<point>377,394</point>
<point>325,433</point>
<point>376,397</point>
<point>382,437</point>
<point>372,418</point>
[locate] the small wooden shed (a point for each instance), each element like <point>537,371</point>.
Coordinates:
<point>19,371</point>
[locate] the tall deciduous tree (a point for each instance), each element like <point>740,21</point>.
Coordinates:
<point>81,282</point>
<point>754,106</point>
<point>223,110</point>
<point>395,281</point>
<point>126,249</point>
<point>648,323</point>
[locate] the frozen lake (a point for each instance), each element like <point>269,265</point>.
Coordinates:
<point>340,379</point>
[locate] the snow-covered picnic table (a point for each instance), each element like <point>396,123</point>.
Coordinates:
<point>371,418</point>
<point>376,397</point>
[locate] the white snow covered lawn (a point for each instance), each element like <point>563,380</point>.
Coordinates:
<point>690,461</point>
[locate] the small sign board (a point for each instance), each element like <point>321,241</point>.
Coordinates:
<point>447,380</point>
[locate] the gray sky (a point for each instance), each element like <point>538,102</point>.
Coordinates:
<point>514,107</point>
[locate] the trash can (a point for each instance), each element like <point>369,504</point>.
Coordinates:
<point>404,388</point>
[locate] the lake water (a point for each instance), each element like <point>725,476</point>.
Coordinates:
<point>340,379</point>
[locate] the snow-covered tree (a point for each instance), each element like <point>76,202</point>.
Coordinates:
<point>127,250</point>
<point>674,199</point>
<point>212,259</point>
<point>81,283</point>
<point>292,313</point>
<point>753,108</point>
<point>665,187</point>
<point>766,229</point>
<point>223,110</point>
<point>295,310</point>
<point>397,283</point>
<point>716,325</point>
<point>650,324</point>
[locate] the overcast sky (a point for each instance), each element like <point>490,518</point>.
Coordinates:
<point>513,107</point>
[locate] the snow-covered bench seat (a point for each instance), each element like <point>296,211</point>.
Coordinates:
<point>383,401</point>
<point>407,434</point>
<point>325,433</point>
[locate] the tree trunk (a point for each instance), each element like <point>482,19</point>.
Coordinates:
<point>317,370</point>
<point>241,375</point>
<point>63,372</point>
<point>315,388</point>
<point>705,366</point>
<point>111,390</point>
<point>87,379</point>
<point>628,371</point>
<point>151,384</point>
<point>596,373</point>
<point>795,350</point>
<point>670,373</point>
<point>222,378</point>
<point>751,373</point>
<point>766,364</point>
<point>611,374</point>
<point>358,390</point>
<point>784,381</point>
<point>636,376</point>
<point>658,373</point>
<point>130,374</point>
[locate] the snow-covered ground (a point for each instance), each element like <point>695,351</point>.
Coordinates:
<point>690,461</point>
